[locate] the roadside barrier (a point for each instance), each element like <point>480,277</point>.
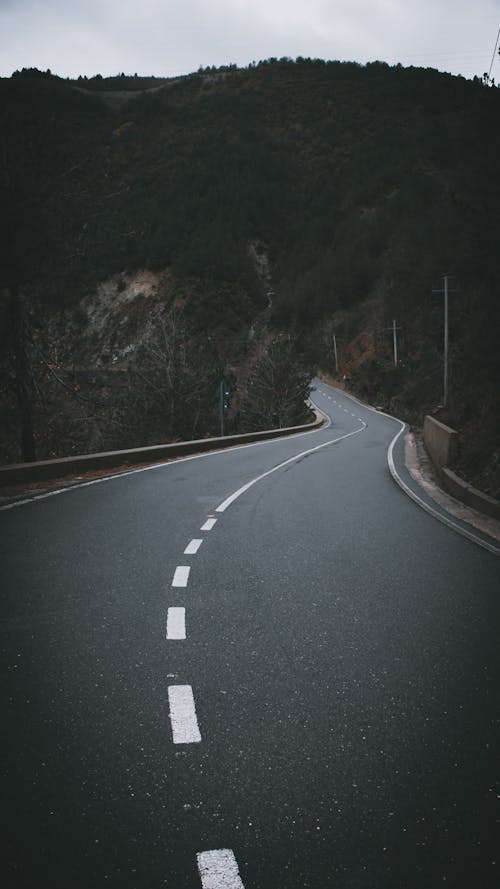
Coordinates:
<point>45,470</point>
<point>441,443</point>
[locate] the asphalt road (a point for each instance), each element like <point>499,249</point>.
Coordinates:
<point>330,718</point>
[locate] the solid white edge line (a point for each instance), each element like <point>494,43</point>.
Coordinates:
<point>181,575</point>
<point>182,714</point>
<point>232,497</point>
<point>218,869</point>
<point>171,462</point>
<point>193,547</point>
<point>176,623</point>
<point>208,525</point>
<point>412,494</point>
<point>428,508</point>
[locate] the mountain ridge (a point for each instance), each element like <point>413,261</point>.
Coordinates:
<point>365,184</point>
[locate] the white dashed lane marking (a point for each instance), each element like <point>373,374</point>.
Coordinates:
<point>193,547</point>
<point>181,575</point>
<point>219,870</point>
<point>176,623</point>
<point>208,525</point>
<point>183,715</point>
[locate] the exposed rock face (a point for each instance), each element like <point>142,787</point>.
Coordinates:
<point>116,319</point>
<point>94,362</point>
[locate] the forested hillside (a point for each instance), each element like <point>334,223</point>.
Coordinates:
<point>279,204</point>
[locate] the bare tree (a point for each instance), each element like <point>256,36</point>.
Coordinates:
<point>17,369</point>
<point>172,385</point>
<point>276,389</point>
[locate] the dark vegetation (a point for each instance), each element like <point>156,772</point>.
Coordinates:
<point>362,185</point>
<point>276,389</point>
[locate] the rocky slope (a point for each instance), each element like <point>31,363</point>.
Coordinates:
<point>185,229</point>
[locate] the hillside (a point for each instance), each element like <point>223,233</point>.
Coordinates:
<point>296,199</point>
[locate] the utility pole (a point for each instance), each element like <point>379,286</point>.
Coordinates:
<point>395,342</point>
<point>445,289</point>
<point>335,353</point>
<point>445,373</point>
<point>221,406</point>
<point>394,328</point>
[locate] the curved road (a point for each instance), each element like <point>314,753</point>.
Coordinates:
<point>293,688</point>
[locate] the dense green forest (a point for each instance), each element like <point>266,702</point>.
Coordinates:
<point>300,198</point>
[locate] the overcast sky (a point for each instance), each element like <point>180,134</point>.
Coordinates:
<point>170,37</point>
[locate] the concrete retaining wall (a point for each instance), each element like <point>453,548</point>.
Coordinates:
<point>441,442</point>
<point>44,470</point>
<point>469,495</point>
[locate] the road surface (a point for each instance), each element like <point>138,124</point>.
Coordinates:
<point>291,688</point>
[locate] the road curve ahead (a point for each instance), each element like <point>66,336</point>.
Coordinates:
<point>264,668</point>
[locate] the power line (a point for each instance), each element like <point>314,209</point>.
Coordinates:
<point>494,54</point>
<point>439,54</point>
